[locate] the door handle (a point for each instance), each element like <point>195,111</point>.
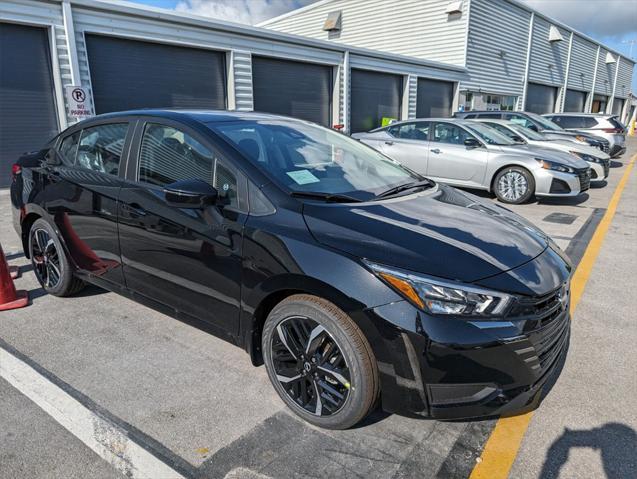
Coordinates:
<point>389,143</point>
<point>134,209</point>
<point>435,150</point>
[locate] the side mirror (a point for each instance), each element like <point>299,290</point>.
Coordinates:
<point>518,139</point>
<point>533,127</point>
<point>196,194</point>
<point>472,143</point>
<point>52,158</point>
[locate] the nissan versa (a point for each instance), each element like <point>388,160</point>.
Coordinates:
<point>355,280</point>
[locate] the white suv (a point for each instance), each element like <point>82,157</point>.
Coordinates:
<point>606,126</point>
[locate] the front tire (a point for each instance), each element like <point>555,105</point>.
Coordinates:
<point>319,362</point>
<point>514,185</point>
<point>50,263</point>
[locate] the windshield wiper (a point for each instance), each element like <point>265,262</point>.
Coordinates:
<point>329,197</point>
<point>407,186</point>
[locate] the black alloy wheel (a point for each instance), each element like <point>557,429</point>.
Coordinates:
<point>320,362</point>
<point>50,263</point>
<point>46,258</point>
<point>310,365</point>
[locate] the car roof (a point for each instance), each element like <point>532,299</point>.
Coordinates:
<point>574,113</point>
<point>200,115</point>
<point>492,120</point>
<point>460,121</point>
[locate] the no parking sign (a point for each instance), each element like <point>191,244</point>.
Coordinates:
<point>78,101</point>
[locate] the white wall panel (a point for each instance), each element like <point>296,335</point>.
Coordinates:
<point>624,78</point>
<point>418,28</point>
<point>582,67</point>
<point>605,74</point>
<point>497,61</point>
<point>548,59</point>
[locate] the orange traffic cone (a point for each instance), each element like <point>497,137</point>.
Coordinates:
<point>9,297</point>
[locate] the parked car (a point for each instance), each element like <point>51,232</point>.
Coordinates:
<point>353,278</point>
<point>609,127</point>
<point>540,124</point>
<point>472,155</point>
<point>596,159</point>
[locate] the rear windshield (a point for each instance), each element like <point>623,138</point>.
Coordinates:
<point>488,134</point>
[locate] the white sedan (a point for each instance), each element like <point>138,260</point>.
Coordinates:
<point>597,159</point>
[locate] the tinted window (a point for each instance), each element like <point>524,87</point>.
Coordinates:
<point>300,156</point>
<point>469,115</point>
<point>100,147</point>
<point>68,149</point>
<point>520,120</point>
<point>411,131</point>
<point>502,129</point>
<point>490,115</point>
<point>168,155</point>
<point>570,121</point>
<point>451,134</point>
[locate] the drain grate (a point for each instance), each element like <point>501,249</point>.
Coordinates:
<point>560,218</point>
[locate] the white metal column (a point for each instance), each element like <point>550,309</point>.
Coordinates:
<point>346,92</point>
<point>609,105</point>
<point>589,105</point>
<point>528,63</point>
<point>566,75</point>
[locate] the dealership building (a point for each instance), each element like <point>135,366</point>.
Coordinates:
<point>516,58</point>
<point>351,63</point>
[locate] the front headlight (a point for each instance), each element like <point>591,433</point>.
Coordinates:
<point>552,165</point>
<point>441,297</point>
<point>585,157</point>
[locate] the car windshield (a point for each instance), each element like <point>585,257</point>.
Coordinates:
<point>527,132</point>
<point>489,135</point>
<point>545,122</point>
<point>303,157</point>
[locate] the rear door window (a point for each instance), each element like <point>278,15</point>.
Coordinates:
<point>411,131</point>
<point>450,134</point>
<point>100,148</point>
<point>520,120</point>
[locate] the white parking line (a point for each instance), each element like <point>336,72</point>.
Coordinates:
<point>105,438</point>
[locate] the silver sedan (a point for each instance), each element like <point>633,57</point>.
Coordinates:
<point>469,154</point>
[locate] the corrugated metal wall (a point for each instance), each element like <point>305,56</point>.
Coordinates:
<point>410,27</point>
<point>548,59</point>
<point>242,70</point>
<point>494,61</point>
<point>605,74</point>
<point>624,78</point>
<point>583,56</point>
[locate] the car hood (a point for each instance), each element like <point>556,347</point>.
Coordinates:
<point>587,150</point>
<point>563,157</point>
<point>441,232</point>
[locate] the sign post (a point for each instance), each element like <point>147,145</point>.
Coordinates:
<point>78,101</point>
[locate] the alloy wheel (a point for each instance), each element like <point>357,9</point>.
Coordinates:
<point>46,258</point>
<point>310,366</point>
<point>513,185</point>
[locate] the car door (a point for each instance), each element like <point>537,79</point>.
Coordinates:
<point>409,145</point>
<point>450,160</point>
<point>186,259</point>
<point>82,192</point>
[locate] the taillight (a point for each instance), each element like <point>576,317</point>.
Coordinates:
<point>15,170</point>
<point>612,130</point>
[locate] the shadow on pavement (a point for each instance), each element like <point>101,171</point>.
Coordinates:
<point>616,442</point>
<point>568,201</point>
<point>616,164</point>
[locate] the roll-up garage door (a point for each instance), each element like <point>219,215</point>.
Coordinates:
<point>27,100</point>
<point>540,98</point>
<point>574,101</point>
<point>618,106</point>
<point>128,74</point>
<point>434,98</point>
<point>374,96</point>
<point>298,89</point>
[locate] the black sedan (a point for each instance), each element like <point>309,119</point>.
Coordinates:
<point>355,280</point>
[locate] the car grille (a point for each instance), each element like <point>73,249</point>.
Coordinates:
<point>546,330</point>
<point>584,176</point>
<point>605,146</point>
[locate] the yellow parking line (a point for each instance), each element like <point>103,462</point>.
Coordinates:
<point>505,440</point>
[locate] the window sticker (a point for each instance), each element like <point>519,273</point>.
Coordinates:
<point>303,177</point>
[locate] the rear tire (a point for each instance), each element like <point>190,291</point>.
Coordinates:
<point>514,185</point>
<point>51,266</point>
<point>313,350</point>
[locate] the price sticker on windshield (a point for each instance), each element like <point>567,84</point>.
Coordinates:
<point>303,177</point>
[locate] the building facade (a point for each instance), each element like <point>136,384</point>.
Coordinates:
<point>127,56</point>
<point>516,58</point>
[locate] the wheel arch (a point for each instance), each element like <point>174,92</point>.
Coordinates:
<point>516,164</point>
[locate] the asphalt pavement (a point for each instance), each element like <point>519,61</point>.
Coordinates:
<point>196,402</point>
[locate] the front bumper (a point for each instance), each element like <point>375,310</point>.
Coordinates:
<point>617,150</point>
<point>555,183</point>
<point>599,172</point>
<point>457,369</point>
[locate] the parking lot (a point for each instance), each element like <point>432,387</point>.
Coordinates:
<point>98,372</point>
